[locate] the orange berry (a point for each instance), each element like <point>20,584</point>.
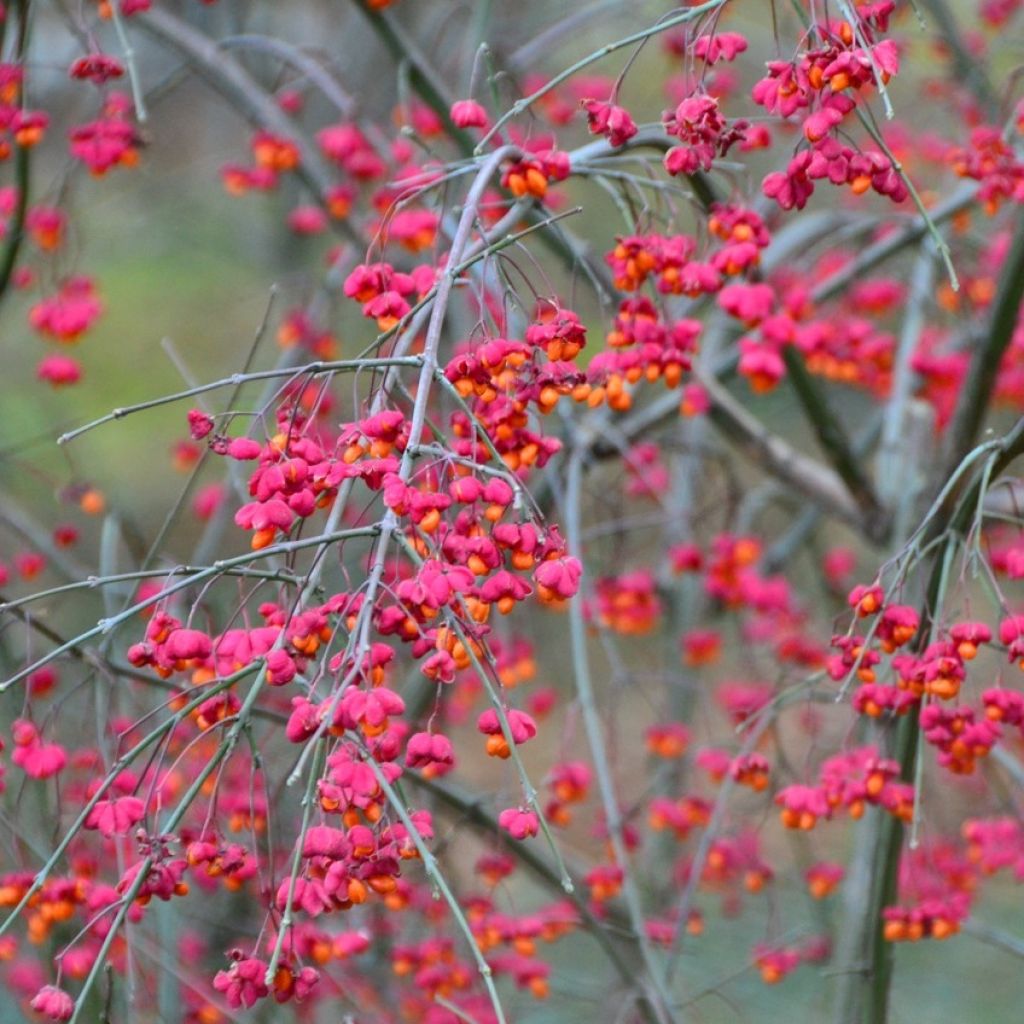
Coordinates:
<point>92,502</point>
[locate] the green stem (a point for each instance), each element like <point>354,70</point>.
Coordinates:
<point>981,375</point>
<point>965,67</point>
<point>16,229</point>
<point>833,439</point>
<point>865,963</point>
<point>22,166</point>
<point>423,77</point>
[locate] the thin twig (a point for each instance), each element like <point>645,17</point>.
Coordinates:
<point>138,94</point>
<point>659,996</point>
<point>524,104</point>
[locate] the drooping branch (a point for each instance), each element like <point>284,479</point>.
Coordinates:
<point>864,959</point>
<point>653,982</point>
<point>663,25</point>
<point>966,67</point>
<point>226,76</point>
<point>777,457</point>
<point>431,89</point>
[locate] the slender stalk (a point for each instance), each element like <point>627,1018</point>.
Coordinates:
<point>435,874</point>
<point>308,802</point>
<point>851,16</point>
<point>977,387</point>
<point>865,118</point>
<point>995,937</point>
<point>97,582</point>
<point>106,625</point>
<point>431,89</point>
<point>658,996</point>
<point>122,762</point>
<point>313,369</point>
<point>138,94</point>
<point>223,751</point>
<point>300,61</point>
<point>611,934</point>
<point>15,234</point>
<point>864,959</point>
<point>529,790</point>
<point>524,104</point>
